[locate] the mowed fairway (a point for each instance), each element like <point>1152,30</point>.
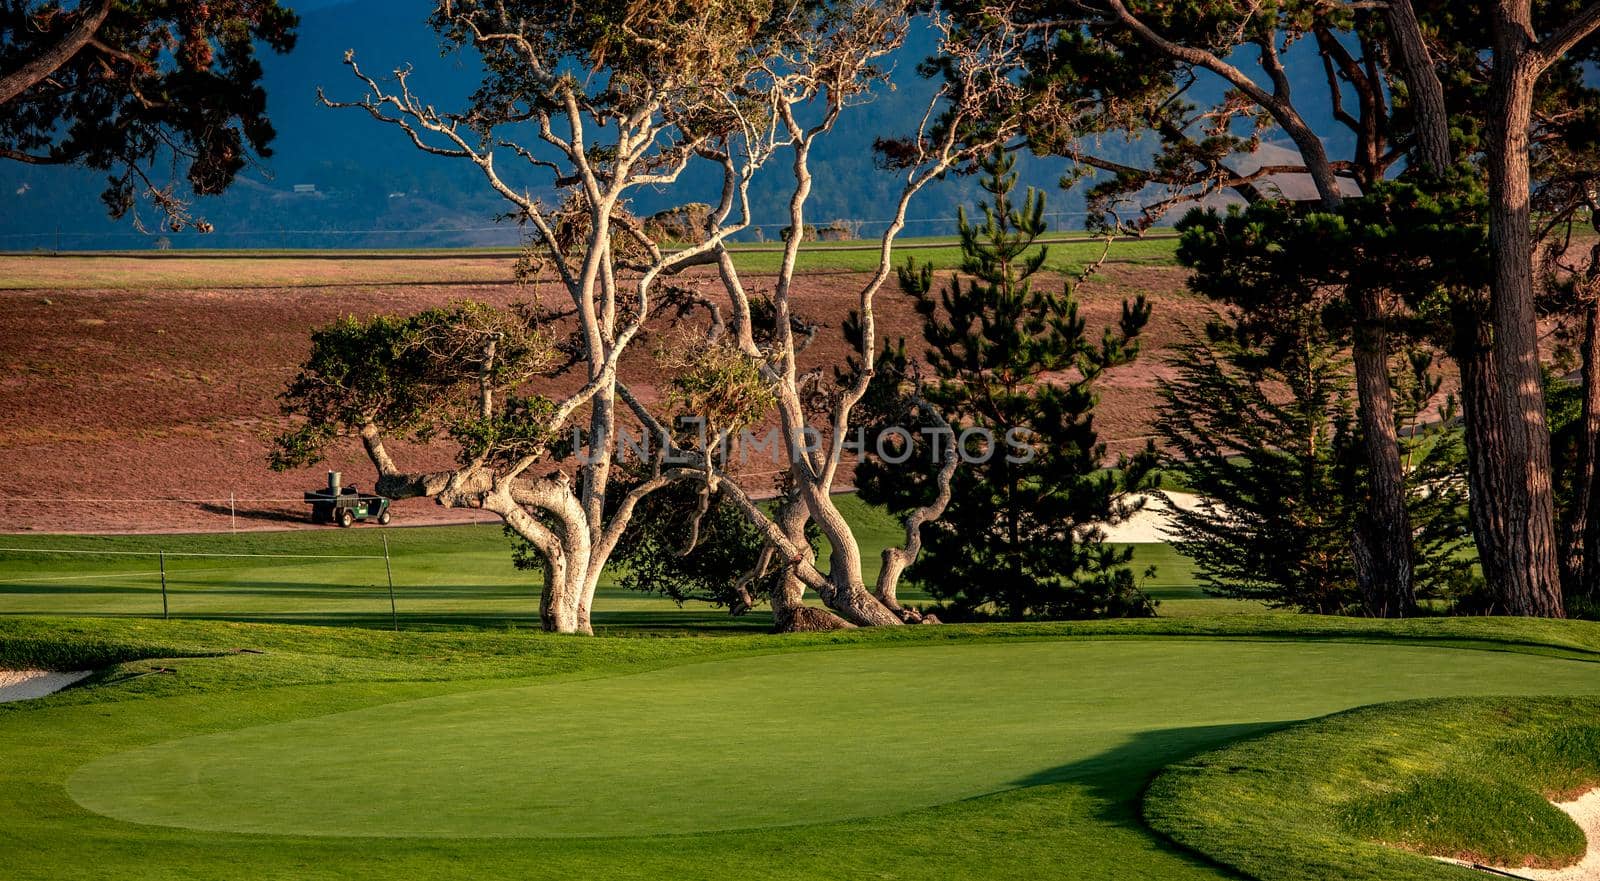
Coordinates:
<point>261,269</point>
<point>443,576</point>
<point>950,757</point>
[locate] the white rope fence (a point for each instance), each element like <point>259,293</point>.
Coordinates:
<point>950,220</point>
<point>231,500</point>
<point>87,552</point>
<point>131,501</point>
<point>162,555</point>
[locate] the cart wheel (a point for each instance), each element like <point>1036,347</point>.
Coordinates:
<point>383,519</point>
<point>346,518</point>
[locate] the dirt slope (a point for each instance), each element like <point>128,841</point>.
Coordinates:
<point>159,393</point>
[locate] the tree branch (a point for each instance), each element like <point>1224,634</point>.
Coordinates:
<point>1569,35</point>
<point>91,17</point>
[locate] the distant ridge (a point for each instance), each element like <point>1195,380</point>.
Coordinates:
<point>337,179</point>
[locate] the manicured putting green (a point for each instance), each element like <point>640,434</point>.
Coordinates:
<point>764,741</point>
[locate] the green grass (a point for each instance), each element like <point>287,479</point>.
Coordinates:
<point>185,269</point>
<point>944,253</point>
<point>948,752</point>
<point>1494,822</point>
<point>470,746</point>
<point>1457,778</point>
<point>443,576</point>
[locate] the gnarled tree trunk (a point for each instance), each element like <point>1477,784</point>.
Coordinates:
<point>790,614</point>
<point>1475,359</point>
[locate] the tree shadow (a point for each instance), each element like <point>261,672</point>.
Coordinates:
<point>1129,766</point>
<point>1116,779</point>
<point>260,515</point>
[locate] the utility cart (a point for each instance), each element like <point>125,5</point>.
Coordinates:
<point>345,505</point>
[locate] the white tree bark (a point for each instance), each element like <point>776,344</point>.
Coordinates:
<point>976,91</point>
<point>563,515</point>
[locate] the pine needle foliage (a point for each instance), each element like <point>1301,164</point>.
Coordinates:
<point>1014,370</point>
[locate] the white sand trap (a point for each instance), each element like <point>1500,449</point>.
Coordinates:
<point>21,685</point>
<point>1585,811</point>
<point>1153,524</point>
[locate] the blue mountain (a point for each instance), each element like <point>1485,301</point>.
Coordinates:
<point>339,179</point>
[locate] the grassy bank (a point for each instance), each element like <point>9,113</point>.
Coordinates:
<point>1357,794</point>
<point>355,653</point>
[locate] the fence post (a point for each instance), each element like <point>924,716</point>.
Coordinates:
<point>394,616</point>
<point>163,555</point>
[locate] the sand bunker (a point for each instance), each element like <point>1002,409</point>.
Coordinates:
<point>21,685</point>
<point>1153,524</point>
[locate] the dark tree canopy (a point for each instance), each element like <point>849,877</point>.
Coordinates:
<point>1411,86</point>
<point>122,87</point>
<point>1259,417</point>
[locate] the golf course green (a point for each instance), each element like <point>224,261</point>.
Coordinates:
<point>936,752</point>
<point>711,747</point>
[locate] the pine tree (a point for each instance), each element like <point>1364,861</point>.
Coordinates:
<point>1261,422</point>
<point>1014,372</point>
<point>1262,429</point>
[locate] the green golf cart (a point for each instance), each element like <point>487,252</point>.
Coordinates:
<point>345,505</point>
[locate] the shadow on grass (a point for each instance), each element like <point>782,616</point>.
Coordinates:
<point>1115,780</point>
<point>1127,768</point>
<point>80,589</point>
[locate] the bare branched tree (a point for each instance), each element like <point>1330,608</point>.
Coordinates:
<point>629,96</point>
<point>810,88</point>
<point>597,106</point>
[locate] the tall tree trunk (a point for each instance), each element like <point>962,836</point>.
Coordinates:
<point>1582,567</point>
<point>1382,543</point>
<point>1475,358</point>
<point>1432,156</point>
<point>1384,536</point>
<point>1531,577</point>
<point>1016,589</point>
<point>1425,93</point>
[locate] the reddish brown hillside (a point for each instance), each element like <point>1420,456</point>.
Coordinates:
<point>168,393</point>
